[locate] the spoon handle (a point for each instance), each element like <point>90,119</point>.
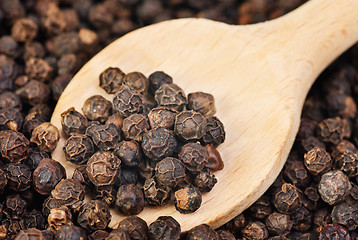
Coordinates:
<point>316,34</point>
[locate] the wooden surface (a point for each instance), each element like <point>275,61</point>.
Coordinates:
<point>259,75</point>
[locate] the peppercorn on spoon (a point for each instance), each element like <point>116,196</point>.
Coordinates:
<point>259,75</point>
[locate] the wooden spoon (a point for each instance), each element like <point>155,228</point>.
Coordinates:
<point>259,75</point>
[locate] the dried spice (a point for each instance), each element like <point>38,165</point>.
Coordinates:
<point>129,152</point>
<point>347,162</point>
<point>334,187</point>
<point>73,122</point>
<point>39,69</point>
<point>171,95</point>
<point>215,133</point>
<point>156,193</point>
<point>68,192</point>
<point>135,126</point>
<point>46,175</point>
<point>164,228</point>
<point>205,180</point>
<point>94,215</point>
<point>261,209</point>
<point>130,199</point>
<point>137,81</point>
<point>128,101</point>
<point>162,117</point>
<point>128,176</point>
<point>202,102</point>
<point>97,108</point>
<point>31,233</point>
<point>333,130</point>
<point>194,156</point>
<point>10,119</point>
<point>202,231</point>
<point>190,125</point>
<point>78,148</point>
<point>296,173</point>
<point>70,232</point>
<point>187,199</point>
<point>45,136</point>
<point>19,176</point>
<point>287,199</point>
<point>111,79</point>
<point>10,100</point>
<point>135,227</point>
<point>34,92</point>
<point>317,161</point>
<point>170,171</point>
<point>59,217</point>
<point>334,231</point>
<point>346,215</point>
<point>157,79</point>
<point>15,207</point>
<point>278,223</point>
<point>255,230</point>
<point>215,162</point>
<point>14,146</point>
<point>105,137</point>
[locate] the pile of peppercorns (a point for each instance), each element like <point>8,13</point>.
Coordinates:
<point>40,54</point>
<point>150,142</point>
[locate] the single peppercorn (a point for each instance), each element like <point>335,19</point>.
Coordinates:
<point>127,176</point>
<point>215,133</point>
<point>170,171</point>
<point>187,199</point>
<point>287,199</point>
<point>296,173</point>
<point>24,30</point>
<point>205,180</point>
<point>69,192</point>
<point>334,187</point>
<point>115,119</point>
<point>97,108</point>
<point>94,215</point>
<point>334,231</point>
<point>128,101</point>
<point>73,122</point>
<point>164,228</point>
<point>46,136</point>
<point>10,100</point>
<point>194,156</point>
<point>46,176</point>
<point>10,119</point>
<point>190,125</point>
<point>34,158</point>
<point>130,199</point>
<point>162,117</point>
<point>102,168</point>
<point>312,142</point>
<point>255,230</point>
<point>171,95</point>
<point>135,227</point>
<point>111,79</point>
<point>15,207</point>
<point>9,46</point>
<point>159,143</point>
<point>135,126</point>
<point>33,50</point>
<point>278,223</point>
<point>347,162</point>
<point>318,161</point>
<point>80,174</point>
<point>333,130</point>
<point>346,215</point>
<point>66,232</point>
<point>39,69</point>
<point>215,162</point>
<point>14,146</point>
<point>99,234</point>
<point>49,204</point>
<point>33,219</point>
<point>202,102</point>
<point>129,152</point>
<point>157,79</point>
<point>261,209</point>
<point>202,231</point>
<point>137,81</point>
<point>105,137</point>
<point>30,234</point>
<point>34,92</point>
<point>342,146</point>
<point>156,193</point>
<point>118,234</point>
<point>78,148</point>
<point>18,176</point>
<point>301,219</point>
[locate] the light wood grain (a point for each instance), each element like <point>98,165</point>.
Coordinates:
<point>259,75</point>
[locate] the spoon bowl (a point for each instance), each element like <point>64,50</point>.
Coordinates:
<point>259,76</point>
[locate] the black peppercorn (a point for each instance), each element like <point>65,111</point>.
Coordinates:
<point>334,187</point>
<point>135,126</point>
<point>215,162</point>
<point>9,46</point>
<point>202,231</point>
<point>3,180</point>
<point>49,204</point>
<point>129,152</point>
<point>287,199</point>
<point>14,146</point>
<point>128,176</point>
<point>106,137</point>
<point>130,199</point>
<point>255,230</point>
<point>78,148</point>
<point>73,122</point>
<point>312,142</point>
<point>70,232</point>
<point>346,215</point>
<point>162,117</point>
<point>102,168</point>
<point>301,219</point>
<point>34,158</point>
<point>10,119</point>
<point>333,130</point>
<point>97,108</point>
<point>156,193</point>
<point>128,101</point>
<point>157,79</point>
<point>80,174</point>
<point>334,231</point>
<point>296,173</point>
<point>261,208</point>
<point>46,176</point>
<point>215,133</point>
<point>115,119</point>
<point>347,162</point>
<point>15,206</point>
<point>187,199</point>
<point>136,227</point>
<point>164,228</point>
<point>170,171</point>
<point>94,215</point>
<point>45,136</point>
<point>30,234</point>
<point>194,156</point>
<point>24,30</point>
<point>10,100</point>
<point>190,125</point>
<point>171,96</point>
<point>118,234</point>
<point>205,180</point>
<point>34,92</point>
<point>69,192</point>
<point>39,69</point>
<point>137,81</point>
<point>18,176</point>
<point>278,223</point>
<point>99,235</point>
<point>202,102</point>
<point>111,80</point>
<point>159,143</point>
<point>317,161</point>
